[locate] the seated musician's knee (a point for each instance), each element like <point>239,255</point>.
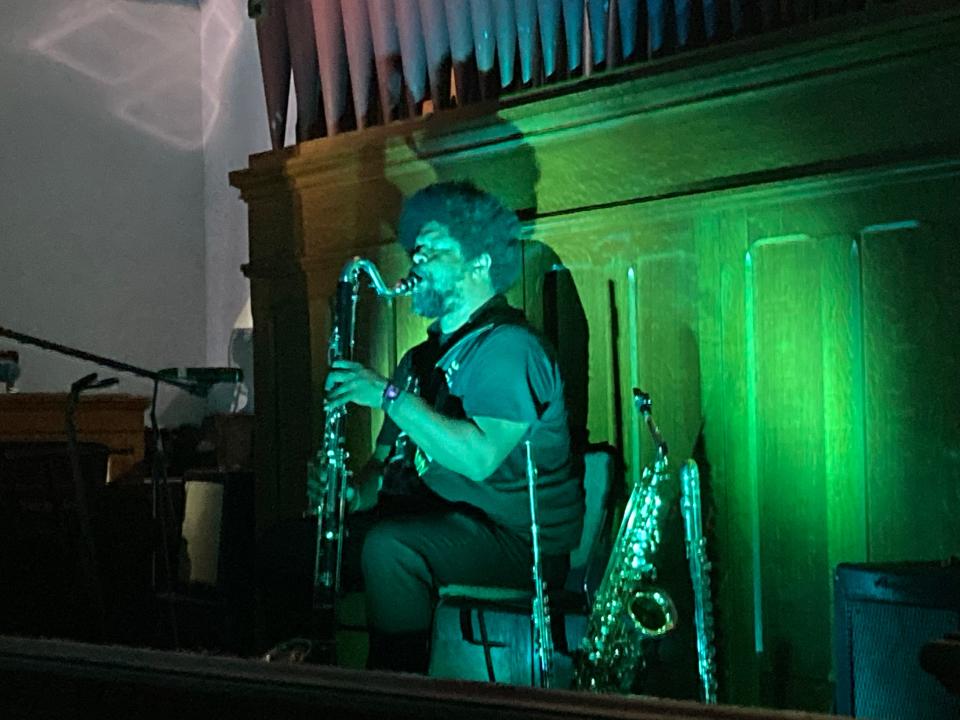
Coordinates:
<point>386,552</point>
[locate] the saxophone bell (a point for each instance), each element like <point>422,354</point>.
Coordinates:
<point>653,613</point>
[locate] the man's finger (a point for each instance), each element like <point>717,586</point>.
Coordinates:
<point>337,377</point>
<point>329,404</point>
<point>346,365</point>
<point>342,390</point>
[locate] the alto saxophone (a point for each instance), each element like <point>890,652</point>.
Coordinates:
<point>328,471</point>
<point>628,608</point>
<point>696,544</point>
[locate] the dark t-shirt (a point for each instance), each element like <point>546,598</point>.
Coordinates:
<point>503,371</point>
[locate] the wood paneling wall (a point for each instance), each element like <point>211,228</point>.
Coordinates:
<point>766,242</point>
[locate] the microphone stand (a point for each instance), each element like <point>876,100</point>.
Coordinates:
<point>158,470</point>
<point>88,553</point>
<point>194,388</point>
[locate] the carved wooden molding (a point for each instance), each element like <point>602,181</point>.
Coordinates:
<point>710,76</point>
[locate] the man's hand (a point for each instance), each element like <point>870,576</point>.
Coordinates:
<point>351,382</point>
<point>360,495</point>
<point>354,500</point>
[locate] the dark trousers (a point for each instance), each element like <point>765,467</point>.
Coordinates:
<point>408,554</point>
<point>401,553</point>
<point>405,559</point>
<point>410,549</point>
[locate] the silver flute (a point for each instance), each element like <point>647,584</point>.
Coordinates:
<point>696,544</point>
<point>542,632</point>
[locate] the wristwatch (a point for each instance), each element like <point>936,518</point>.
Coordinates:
<point>390,393</point>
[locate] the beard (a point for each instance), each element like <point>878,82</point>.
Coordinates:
<point>431,302</point>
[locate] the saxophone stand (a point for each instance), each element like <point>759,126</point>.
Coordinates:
<point>320,647</point>
<point>158,466</point>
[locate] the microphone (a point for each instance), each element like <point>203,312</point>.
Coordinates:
<point>203,378</point>
<point>204,375</point>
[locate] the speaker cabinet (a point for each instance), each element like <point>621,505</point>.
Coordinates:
<point>885,613</point>
<point>47,588</point>
<point>213,605</point>
<point>217,531</point>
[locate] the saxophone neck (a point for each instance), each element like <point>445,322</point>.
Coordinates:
<point>644,406</point>
<point>352,270</point>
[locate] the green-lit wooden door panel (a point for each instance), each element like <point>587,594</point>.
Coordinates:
<point>911,288</point>
<point>669,363</point>
<point>656,293</point>
<point>721,243</point>
<point>590,268</point>
<point>843,449</point>
<point>800,294</point>
<point>553,305</point>
<point>592,279</point>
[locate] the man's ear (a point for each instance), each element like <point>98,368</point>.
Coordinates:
<point>482,262</point>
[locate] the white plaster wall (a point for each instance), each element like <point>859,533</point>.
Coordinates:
<point>235,126</point>
<point>101,185</point>
<point>119,232</point>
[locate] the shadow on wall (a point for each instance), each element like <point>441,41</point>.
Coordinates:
<point>160,65</point>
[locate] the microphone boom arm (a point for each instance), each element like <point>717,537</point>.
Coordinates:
<point>193,388</point>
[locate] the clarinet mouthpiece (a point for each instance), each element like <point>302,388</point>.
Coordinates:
<point>406,285</point>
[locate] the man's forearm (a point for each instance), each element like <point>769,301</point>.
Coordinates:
<point>458,445</point>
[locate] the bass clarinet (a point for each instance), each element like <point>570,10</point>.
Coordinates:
<point>328,472</point>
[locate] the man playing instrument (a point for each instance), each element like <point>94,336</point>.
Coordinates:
<point>446,486</point>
